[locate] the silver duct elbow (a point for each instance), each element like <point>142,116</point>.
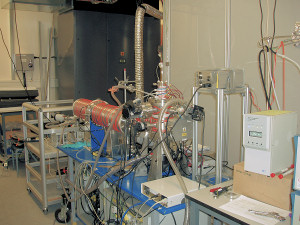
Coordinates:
<point>138,45</point>
<point>153,11</point>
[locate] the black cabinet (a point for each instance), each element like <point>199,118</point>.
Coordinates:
<point>94,48</point>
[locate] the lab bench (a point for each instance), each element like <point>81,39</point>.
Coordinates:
<point>203,201</point>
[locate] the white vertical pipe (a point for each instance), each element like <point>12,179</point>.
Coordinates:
<point>167,41</point>
<point>49,65</point>
<point>245,110</point>
<point>42,81</point>
<point>226,127</point>
<point>227,33</point>
<point>220,128</point>
<point>195,140</point>
<point>225,113</point>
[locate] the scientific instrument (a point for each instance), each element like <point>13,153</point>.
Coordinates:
<point>267,139</point>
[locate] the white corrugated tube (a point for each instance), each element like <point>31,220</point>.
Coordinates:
<point>169,157</point>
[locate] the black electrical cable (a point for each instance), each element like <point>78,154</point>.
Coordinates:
<point>107,176</point>
<point>136,164</point>
<point>187,159</point>
<point>85,197</point>
<point>118,186</point>
<point>111,200</point>
<point>174,219</point>
<point>18,41</point>
<point>210,169</point>
<point>15,67</point>
<point>271,47</point>
<point>117,200</point>
<point>208,156</point>
<point>262,79</point>
<point>173,124</point>
<point>162,219</point>
<point>88,213</point>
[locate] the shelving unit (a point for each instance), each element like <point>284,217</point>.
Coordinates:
<point>42,183</point>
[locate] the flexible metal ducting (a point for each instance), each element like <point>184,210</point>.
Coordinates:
<point>138,45</point>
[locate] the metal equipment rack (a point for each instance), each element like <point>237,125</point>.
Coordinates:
<point>222,125</point>
<point>39,182</point>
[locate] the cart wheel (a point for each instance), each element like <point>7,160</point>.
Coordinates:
<point>45,211</point>
<point>62,217</point>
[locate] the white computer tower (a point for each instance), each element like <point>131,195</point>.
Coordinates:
<point>268,140</point>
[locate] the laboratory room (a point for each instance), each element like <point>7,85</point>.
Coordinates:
<point>148,112</point>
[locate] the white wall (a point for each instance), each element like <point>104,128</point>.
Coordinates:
<point>197,42</point>
<point>4,59</point>
<point>31,26</point>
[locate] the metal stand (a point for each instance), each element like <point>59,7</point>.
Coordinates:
<point>39,182</point>
<point>222,126</point>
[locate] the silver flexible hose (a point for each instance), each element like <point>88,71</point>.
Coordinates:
<point>138,45</point>
<point>153,11</point>
<point>139,52</point>
<point>169,157</point>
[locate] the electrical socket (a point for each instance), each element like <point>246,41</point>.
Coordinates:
<point>24,62</point>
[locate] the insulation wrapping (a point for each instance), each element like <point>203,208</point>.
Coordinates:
<point>81,108</point>
<point>102,114</point>
<point>99,111</point>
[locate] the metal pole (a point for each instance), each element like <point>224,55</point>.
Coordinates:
<point>220,141</point>
<point>71,177</point>
<point>42,78</point>
<point>195,140</point>
<point>4,136</point>
<point>167,40</point>
<point>125,83</point>
<point>25,134</point>
<point>245,110</point>
<point>226,127</point>
<point>42,160</point>
<point>227,33</point>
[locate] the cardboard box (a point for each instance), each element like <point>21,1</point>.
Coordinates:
<point>273,191</point>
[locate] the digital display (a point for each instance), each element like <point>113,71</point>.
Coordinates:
<point>255,134</point>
